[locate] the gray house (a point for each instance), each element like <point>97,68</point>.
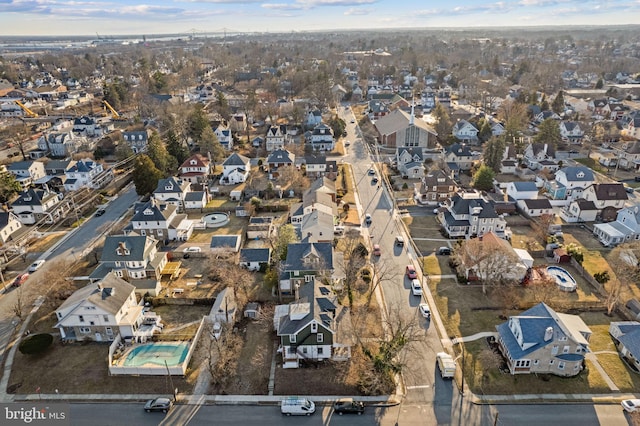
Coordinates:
<point>626,336</point>
<point>253,258</point>
<point>541,340</point>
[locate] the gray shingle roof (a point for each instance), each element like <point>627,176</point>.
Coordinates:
<point>255,255</point>
<point>578,174</point>
<point>298,252</point>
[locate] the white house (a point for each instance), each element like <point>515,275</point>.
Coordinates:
<point>571,132</point>
<point>84,173</point>
<point>522,190</point>
<point>235,169</point>
<point>465,132</point>
<point>535,207</point>
<point>172,191</point>
<point>27,172</point>
<point>625,228</point>
<point>9,224</point>
<point>322,138</point>
<point>223,134</point>
<point>61,144</point>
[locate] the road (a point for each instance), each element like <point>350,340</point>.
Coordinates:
<point>109,414</point>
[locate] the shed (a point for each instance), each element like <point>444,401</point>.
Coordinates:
<point>634,306</point>
<point>252,310</point>
<point>560,255</point>
<point>224,308</point>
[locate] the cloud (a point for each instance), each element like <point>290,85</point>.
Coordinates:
<point>358,11</point>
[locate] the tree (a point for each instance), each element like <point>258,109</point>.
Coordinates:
<point>548,133</point>
<point>286,235</point>
<point>443,125</point>
<point>540,227</point>
<point>292,177</point>
<point>623,260</point>
<point>145,175</point>
<point>9,187</point>
<point>196,123</point>
<point>558,103</point>
<point>483,178</point>
<point>158,154</point>
<point>354,260</point>
<point>222,353</point>
<point>514,116</point>
<point>599,84</point>
<point>35,344</point>
<point>484,132</point>
<point>494,152</point>
<point>210,146</point>
<point>123,151</point>
<point>175,147</point>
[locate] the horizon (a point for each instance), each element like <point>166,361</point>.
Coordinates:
<point>51,18</point>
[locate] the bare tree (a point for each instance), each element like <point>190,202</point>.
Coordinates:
<point>355,258</point>
<point>221,353</point>
<point>623,260</point>
<point>291,177</point>
<point>19,305</point>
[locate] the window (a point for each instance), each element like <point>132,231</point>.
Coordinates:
<point>320,337</point>
<point>81,318</point>
<point>109,331</point>
<point>308,278</point>
<point>320,351</point>
<point>292,338</point>
<point>554,350</point>
<point>92,323</point>
<point>551,362</point>
<point>561,365</point>
<point>85,330</point>
<point>105,318</point>
<point>304,350</point>
<point>536,362</point>
<point>565,349</point>
<point>314,327</point>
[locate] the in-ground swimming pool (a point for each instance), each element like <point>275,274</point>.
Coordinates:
<point>157,353</point>
<point>215,220</point>
<point>564,280</point>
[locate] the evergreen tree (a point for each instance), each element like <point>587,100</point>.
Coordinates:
<point>175,148</point>
<point>196,123</point>
<point>558,103</point>
<point>549,133</point>
<point>210,146</point>
<point>443,125</point>
<point>484,130</point>
<point>493,153</point>
<point>483,178</point>
<point>145,175</point>
<point>157,152</point>
<point>600,84</point>
<point>9,187</point>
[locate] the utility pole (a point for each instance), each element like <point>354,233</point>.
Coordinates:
<point>495,419</point>
<point>173,389</point>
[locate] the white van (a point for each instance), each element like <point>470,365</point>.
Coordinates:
<point>297,407</point>
<point>446,365</point>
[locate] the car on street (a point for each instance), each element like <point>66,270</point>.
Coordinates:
<point>637,178</point>
<point>371,172</point>
<point>399,241</point>
<point>158,404</point>
<point>631,405</point>
<point>411,272</point>
<point>353,121</point>
<point>416,287</point>
<point>424,310</point>
<point>192,249</point>
<point>100,212</point>
<point>376,250</point>
<point>20,279</point>
<point>348,406</point>
<point>36,265</point>
<point>374,180</point>
<point>347,143</point>
<point>367,219</point>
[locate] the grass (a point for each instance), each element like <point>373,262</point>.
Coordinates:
<point>176,315</point>
<point>345,182</point>
<point>618,371</point>
<point>592,164</point>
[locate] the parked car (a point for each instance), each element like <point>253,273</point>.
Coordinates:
<point>100,212</point>
<point>371,172</point>
<point>347,143</point>
<point>631,405</point>
<point>158,404</point>
<point>637,178</point>
<point>20,279</point>
<point>36,265</point>
<point>424,310</point>
<point>376,250</point>
<point>416,287</point>
<point>445,251</point>
<point>411,272</point>
<point>399,240</point>
<point>367,219</point>
<point>192,249</point>
<point>348,406</point>
<point>297,407</point>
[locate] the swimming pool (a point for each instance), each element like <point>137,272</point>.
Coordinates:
<point>157,353</point>
<point>564,280</point>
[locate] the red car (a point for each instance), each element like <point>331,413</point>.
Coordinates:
<point>20,279</point>
<point>411,272</point>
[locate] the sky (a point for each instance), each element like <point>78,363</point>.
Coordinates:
<point>148,17</point>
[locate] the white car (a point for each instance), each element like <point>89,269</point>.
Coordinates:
<point>416,287</point>
<point>36,265</point>
<point>192,249</point>
<point>631,405</point>
<point>424,310</point>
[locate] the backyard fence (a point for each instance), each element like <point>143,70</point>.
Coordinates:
<point>587,276</point>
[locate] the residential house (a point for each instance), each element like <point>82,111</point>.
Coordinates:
<point>238,123</point>
<point>460,155</point>
<point>522,190</point>
<point>607,197</point>
<point>545,115</point>
<point>434,188</point>
<point>306,262</point>
<point>314,327</point>
<point>508,167</point>
<point>536,152</point>
<point>172,191</point>
<point>470,214</point>
<point>535,207</point>
<point>465,132</point>
<point>9,225</point>
<point>235,169</point>
<point>542,341</point>
<point>497,129</point>
<point>324,185</point>
<point>492,256</point>
<point>632,128</point>
<point>277,159</point>
<point>321,138</point>
<point>61,144</point>
<point>317,227</point>
<point>277,137</point>
<point>99,312</point>
<point>579,210</point>
<point>570,183</point>
<point>87,126</point>
<point>410,162</point>
<point>33,205</point>
<point>625,228</point>
<point>195,169</point>
<point>629,155</point>
<point>135,258</point>
<point>400,129</point>
<point>599,108</point>
<point>314,117</point>
<point>377,109</point>
<point>86,173</point>
<point>315,166</point>
<point>137,140</point>
<point>27,172</point>
<point>626,336</point>
<point>225,243</point>
<point>223,133</point>
<point>571,132</point>
<point>254,259</point>
<point>161,221</point>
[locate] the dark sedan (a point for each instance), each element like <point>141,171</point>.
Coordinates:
<point>348,406</point>
<point>158,404</point>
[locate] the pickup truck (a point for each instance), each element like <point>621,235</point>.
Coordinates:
<point>446,365</point>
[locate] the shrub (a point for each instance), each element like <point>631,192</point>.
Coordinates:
<point>35,344</point>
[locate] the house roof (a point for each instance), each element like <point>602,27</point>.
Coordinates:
<point>610,191</point>
<point>255,255</point>
<point>577,174</point>
<point>525,186</point>
<point>630,336</point>
<point>438,177</point>
<point>280,156</point>
<point>225,241</point>
<point>171,185</point>
<point>236,159</point>
<point>538,203</point>
<point>298,253</point>
<point>153,211</point>
<point>33,197</point>
<point>585,205</point>
<point>465,206</point>
<point>109,295</point>
<point>322,184</point>
<point>126,248</point>
<point>459,150</point>
<point>194,196</point>
<point>195,160</point>
<point>315,159</point>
